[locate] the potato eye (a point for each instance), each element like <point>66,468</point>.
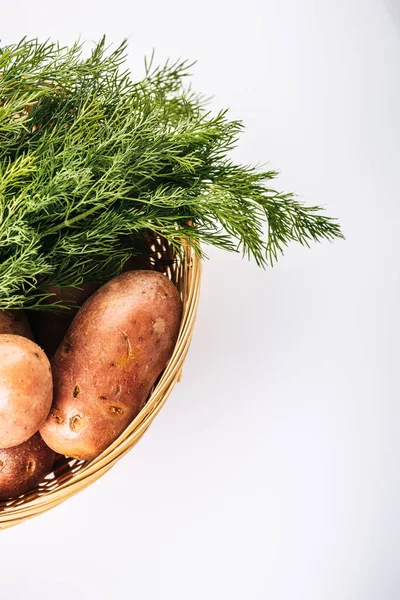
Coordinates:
<point>30,465</point>
<point>76,423</point>
<point>56,416</point>
<point>67,347</point>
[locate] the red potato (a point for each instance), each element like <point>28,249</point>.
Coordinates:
<point>25,389</point>
<point>16,322</point>
<point>117,345</point>
<point>23,467</point>
<point>49,328</point>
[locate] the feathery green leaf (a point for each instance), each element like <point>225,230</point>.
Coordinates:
<point>91,160</point>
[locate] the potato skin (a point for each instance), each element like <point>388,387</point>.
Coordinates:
<point>23,467</point>
<point>117,345</point>
<point>16,322</point>
<point>25,389</point>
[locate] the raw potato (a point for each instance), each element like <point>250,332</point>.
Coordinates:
<point>24,466</point>
<point>16,322</point>
<point>50,327</point>
<point>117,345</point>
<point>25,389</point>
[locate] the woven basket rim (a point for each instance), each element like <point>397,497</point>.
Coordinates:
<point>93,470</point>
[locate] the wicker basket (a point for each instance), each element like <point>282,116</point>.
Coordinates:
<point>71,476</point>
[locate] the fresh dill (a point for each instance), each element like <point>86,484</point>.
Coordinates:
<point>90,161</point>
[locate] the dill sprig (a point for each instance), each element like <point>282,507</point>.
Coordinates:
<point>90,161</point>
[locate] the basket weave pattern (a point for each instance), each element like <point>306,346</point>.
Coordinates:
<point>71,476</point>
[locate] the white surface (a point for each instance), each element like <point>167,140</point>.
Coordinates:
<point>272,473</point>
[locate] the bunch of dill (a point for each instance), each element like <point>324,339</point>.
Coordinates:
<point>90,161</point>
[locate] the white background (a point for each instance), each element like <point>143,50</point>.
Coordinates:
<point>272,473</point>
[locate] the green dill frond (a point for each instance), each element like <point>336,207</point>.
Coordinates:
<point>90,161</point>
